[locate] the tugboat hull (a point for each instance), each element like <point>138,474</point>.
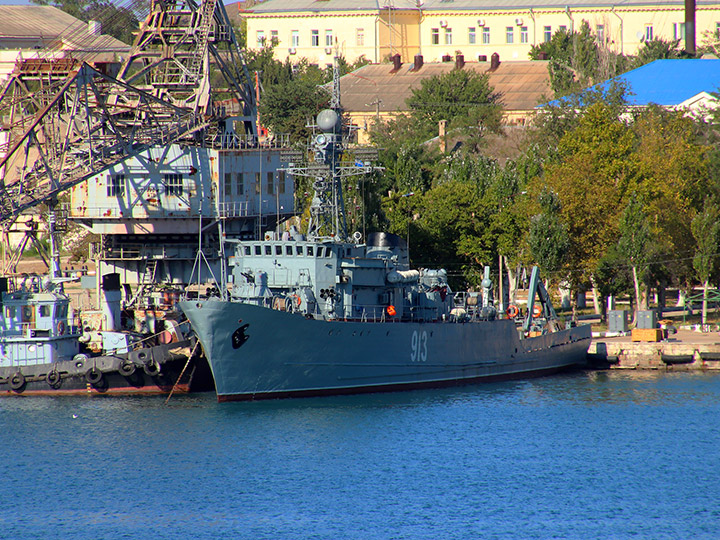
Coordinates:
<point>153,370</point>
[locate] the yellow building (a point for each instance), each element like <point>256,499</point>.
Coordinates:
<point>316,29</point>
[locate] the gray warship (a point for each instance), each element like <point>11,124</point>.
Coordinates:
<point>297,315</point>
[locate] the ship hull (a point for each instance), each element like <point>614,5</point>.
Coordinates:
<point>259,353</point>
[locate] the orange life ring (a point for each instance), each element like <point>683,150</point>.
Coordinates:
<point>512,311</point>
<point>391,311</point>
<point>61,328</point>
<point>537,310</point>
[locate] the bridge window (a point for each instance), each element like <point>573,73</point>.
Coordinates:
<point>309,251</point>
<point>257,250</point>
<point>116,185</point>
<point>247,250</point>
<point>278,250</point>
<point>228,185</point>
<point>270,184</point>
<point>268,250</point>
<point>298,250</point>
<point>173,184</point>
<point>288,250</point>
<point>240,183</point>
<point>281,182</point>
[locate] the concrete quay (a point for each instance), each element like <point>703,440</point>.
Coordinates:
<point>683,351</point>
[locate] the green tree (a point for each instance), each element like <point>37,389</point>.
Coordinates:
<point>577,60</point>
<point>463,97</point>
<point>635,240</point>
<point>286,108</point>
<point>706,230</point>
<point>119,21</point>
<point>548,239</point>
<point>656,49</point>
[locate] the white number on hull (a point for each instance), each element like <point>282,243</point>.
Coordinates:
<point>418,346</point>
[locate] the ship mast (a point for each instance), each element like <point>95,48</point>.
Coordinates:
<point>328,148</point>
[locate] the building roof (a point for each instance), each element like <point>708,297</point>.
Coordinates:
<point>276,6</point>
<point>51,25</point>
<point>521,84</point>
<point>670,82</point>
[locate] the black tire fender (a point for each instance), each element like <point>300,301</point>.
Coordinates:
<point>151,368</point>
<point>94,376</point>
<point>127,368</point>
<point>53,378</point>
<point>17,381</point>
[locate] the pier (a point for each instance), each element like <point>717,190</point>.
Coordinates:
<point>685,350</point>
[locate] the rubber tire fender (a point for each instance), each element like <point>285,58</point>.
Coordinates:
<point>151,368</point>
<point>94,376</point>
<point>54,379</point>
<point>127,368</point>
<point>17,381</point>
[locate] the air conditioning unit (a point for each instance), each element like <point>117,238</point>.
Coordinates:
<point>292,50</point>
<point>481,22</point>
<point>518,22</point>
<point>328,50</point>
<point>443,23</point>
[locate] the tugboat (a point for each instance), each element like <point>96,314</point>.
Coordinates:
<point>43,353</point>
<point>329,314</point>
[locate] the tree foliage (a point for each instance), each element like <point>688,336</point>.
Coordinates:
<point>577,60</point>
<point>463,97</point>
<point>119,21</point>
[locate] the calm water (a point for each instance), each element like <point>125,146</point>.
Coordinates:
<point>599,455</point>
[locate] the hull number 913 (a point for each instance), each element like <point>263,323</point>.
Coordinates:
<point>418,346</point>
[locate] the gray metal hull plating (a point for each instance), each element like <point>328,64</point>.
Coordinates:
<point>259,353</point>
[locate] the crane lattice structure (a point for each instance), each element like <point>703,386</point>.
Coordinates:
<point>58,132</point>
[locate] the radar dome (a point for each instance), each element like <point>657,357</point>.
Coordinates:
<point>328,120</point>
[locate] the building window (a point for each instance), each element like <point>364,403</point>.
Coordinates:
<point>600,33</point>
<point>360,37</point>
<point>258,183</point>
<point>274,39</point>
<point>315,38</point>
<point>228,185</point>
<point>328,38</point>
<point>547,33</point>
<point>648,32</point>
<point>261,38</point>
<point>240,183</point>
<point>270,184</point>
<point>523,34</point>
<point>116,185</point>
<point>717,29</point>
<point>562,28</point>
<point>509,34</point>
<point>281,182</point>
<point>295,38</point>
<point>471,36</point>
<point>678,31</point>
<point>448,36</point>
<point>435,36</point>
<point>486,35</point>
<point>173,184</point>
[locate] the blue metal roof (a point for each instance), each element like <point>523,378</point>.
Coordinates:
<point>670,82</point>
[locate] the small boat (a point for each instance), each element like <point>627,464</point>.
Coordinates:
<point>43,353</point>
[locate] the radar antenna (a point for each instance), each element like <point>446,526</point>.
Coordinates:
<point>330,163</point>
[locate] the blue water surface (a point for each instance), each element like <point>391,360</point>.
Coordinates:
<point>587,455</point>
